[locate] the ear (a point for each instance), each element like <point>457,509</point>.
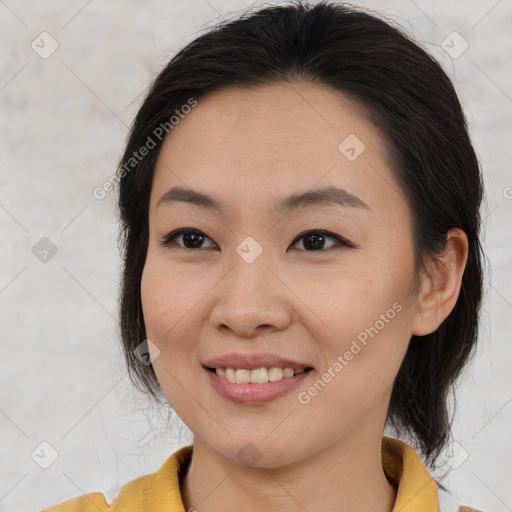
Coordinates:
<point>440,284</point>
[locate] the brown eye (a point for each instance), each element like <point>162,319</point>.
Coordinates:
<point>192,238</point>
<point>316,240</point>
<point>313,241</point>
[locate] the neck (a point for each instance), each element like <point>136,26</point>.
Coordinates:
<point>346,476</point>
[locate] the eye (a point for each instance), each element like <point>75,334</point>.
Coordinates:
<point>313,241</point>
<point>190,236</point>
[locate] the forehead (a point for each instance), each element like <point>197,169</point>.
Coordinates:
<point>299,115</point>
<point>281,138</point>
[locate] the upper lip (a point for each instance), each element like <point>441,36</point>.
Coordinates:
<point>253,361</point>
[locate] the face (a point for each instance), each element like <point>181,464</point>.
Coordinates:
<point>323,287</point>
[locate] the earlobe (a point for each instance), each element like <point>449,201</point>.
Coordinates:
<point>440,284</point>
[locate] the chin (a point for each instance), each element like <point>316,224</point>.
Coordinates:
<point>256,452</point>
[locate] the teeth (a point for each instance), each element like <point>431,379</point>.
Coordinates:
<point>230,375</point>
<point>275,374</point>
<point>288,372</point>
<point>258,376</point>
<point>243,376</point>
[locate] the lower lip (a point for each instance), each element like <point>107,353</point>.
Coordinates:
<point>255,393</point>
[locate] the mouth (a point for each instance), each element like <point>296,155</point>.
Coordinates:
<point>252,379</point>
<point>261,375</point>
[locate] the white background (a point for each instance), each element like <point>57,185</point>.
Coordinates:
<point>63,124</point>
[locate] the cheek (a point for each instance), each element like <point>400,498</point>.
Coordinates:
<point>165,303</point>
<point>356,298</point>
<point>173,298</point>
<point>167,297</point>
<point>166,300</point>
<point>363,348</point>
<point>366,316</point>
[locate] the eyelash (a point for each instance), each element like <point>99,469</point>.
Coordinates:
<point>168,239</point>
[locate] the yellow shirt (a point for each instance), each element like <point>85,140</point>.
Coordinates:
<point>160,491</point>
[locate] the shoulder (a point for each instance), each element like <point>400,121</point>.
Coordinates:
<point>410,476</point>
<point>93,502</point>
<point>154,492</point>
<point>134,493</point>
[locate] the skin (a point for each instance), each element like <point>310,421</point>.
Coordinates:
<point>249,148</point>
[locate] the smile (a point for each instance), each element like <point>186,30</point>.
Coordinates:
<point>246,392</point>
<point>258,375</point>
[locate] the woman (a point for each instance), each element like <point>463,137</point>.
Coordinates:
<point>299,201</point>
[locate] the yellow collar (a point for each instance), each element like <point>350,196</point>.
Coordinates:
<point>416,490</point>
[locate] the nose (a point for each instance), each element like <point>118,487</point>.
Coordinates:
<point>251,299</point>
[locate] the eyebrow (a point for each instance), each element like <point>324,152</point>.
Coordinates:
<point>319,197</point>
